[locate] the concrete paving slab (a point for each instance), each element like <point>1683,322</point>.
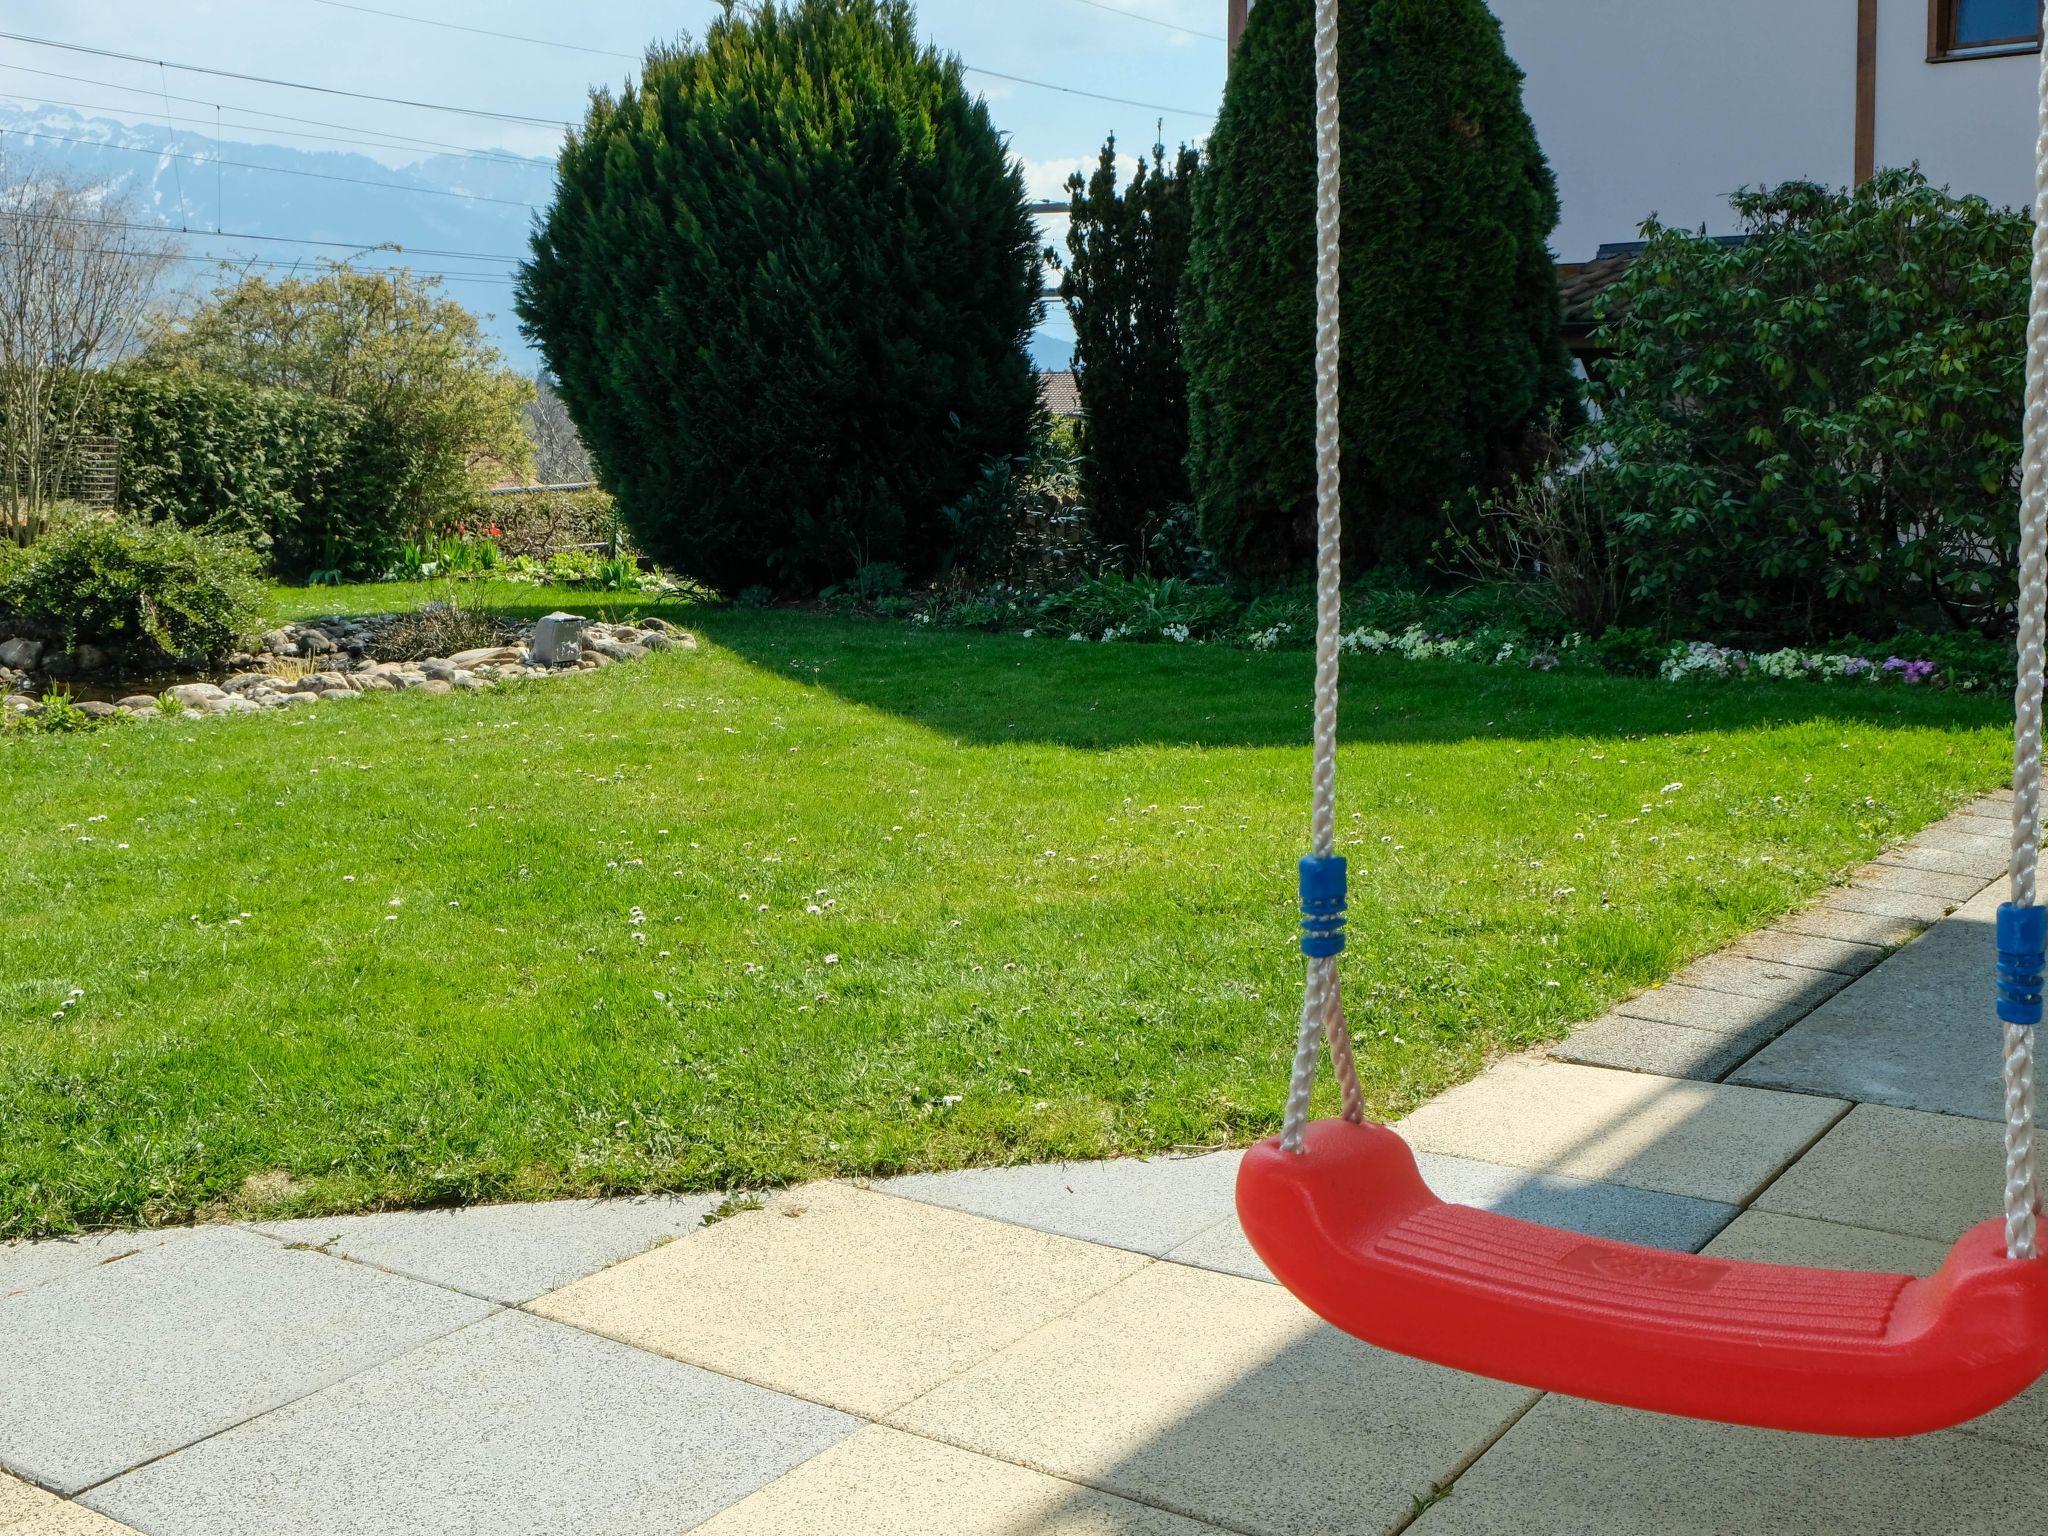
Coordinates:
<point>1223,1400</point>
<point>1579,1205</point>
<point>842,1295</point>
<point>1804,949</point>
<point>1918,882</point>
<point>1574,1468</point>
<point>28,1511</point>
<point>505,1253</point>
<point>1997,827</point>
<point>1979,862</point>
<point>115,1365</point>
<point>23,1265</point>
<point>1863,900</point>
<point>1706,1140</point>
<point>1993,847</point>
<point>1664,1050</point>
<point>1829,922</point>
<point>883,1480</point>
<point>514,1427</point>
<point>1149,1205</point>
<point>1917,1032</point>
<point>1746,976</point>
<point>1722,1012</point>
<point>1898,1170</point>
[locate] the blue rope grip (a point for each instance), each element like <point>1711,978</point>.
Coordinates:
<point>2022,940</point>
<point>1322,906</point>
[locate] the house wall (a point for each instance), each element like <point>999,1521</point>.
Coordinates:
<point>1667,106</point>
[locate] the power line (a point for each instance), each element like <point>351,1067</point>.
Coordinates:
<point>274,170</point>
<point>397,140</point>
<point>1114,10</point>
<point>494,278</point>
<point>395,246</point>
<point>451,26</point>
<point>1072,90</point>
<point>292,85</point>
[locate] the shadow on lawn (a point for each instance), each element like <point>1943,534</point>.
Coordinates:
<point>994,690</point>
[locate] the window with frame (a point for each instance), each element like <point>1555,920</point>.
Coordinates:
<point>1980,29</point>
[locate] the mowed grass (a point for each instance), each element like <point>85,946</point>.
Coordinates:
<point>830,897</point>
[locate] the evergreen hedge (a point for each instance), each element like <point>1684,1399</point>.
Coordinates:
<point>1127,253</point>
<point>307,482</point>
<point>785,286</point>
<point>1452,357</point>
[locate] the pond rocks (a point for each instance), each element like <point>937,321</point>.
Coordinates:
<point>99,709</point>
<point>21,655</point>
<point>195,695</point>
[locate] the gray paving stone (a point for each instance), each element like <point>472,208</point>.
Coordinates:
<point>1576,1469</point>
<point>114,1365</point>
<point>1897,1170</point>
<point>1149,1205</point>
<point>1706,1140</point>
<point>1916,1032</point>
<point>1803,949</point>
<point>1664,1050</point>
<point>1747,976</point>
<point>23,1265</point>
<point>1919,882</point>
<point>514,1427</point>
<point>506,1253</point>
<point>1998,828</point>
<point>1826,922</point>
<point>1995,846</point>
<point>1645,1216</point>
<point>1724,1013</point>
<point>1984,863</point>
<point>1915,909</point>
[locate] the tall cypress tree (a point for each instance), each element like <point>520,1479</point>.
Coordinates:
<point>1452,356</point>
<point>785,285</point>
<point>1127,255</point>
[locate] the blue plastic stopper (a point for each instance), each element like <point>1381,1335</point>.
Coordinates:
<point>1322,906</point>
<point>2022,945</point>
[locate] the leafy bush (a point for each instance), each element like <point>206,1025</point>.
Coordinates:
<point>544,523</point>
<point>152,590</point>
<point>1127,253</point>
<point>1818,430</point>
<point>307,482</point>
<point>1023,520</point>
<point>785,287</point>
<point>1451,349</point>
<point>1552,534</point>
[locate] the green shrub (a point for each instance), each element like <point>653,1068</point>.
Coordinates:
<point>1127,252</point>
<point>1631,652</point>
<point>307,482</point>
<point>785,287</point>
<point>1452,357</point>
<point>1023,520</point>
<point>544,523</point>
<point>152,590</point>
<point>1817,431</point>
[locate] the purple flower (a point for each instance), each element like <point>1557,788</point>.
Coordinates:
<point>1919,671</point>
<point>1856,666</point>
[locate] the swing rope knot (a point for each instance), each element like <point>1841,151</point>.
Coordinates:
<point>1323,891</point>
<point>2022,957</point>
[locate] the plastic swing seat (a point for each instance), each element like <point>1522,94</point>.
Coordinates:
<point>1350,1228</point>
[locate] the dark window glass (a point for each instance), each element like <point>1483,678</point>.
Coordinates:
<point>1978,22</point>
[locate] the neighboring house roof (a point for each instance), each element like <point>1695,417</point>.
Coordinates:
<point>1060,392</point>
<point>1581,285</point>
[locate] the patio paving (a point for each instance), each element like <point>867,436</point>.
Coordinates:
<point>1073,1350</point>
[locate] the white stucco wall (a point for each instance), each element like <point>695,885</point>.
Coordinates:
<point>1667,106</point>
<point>1969,123</point>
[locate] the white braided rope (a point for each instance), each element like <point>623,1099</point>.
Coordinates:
<point>2022,1180</point>
<point>1322,1009</point>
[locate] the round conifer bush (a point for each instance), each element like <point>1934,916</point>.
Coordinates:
<point>785,286</point>
<point>1452,355</point>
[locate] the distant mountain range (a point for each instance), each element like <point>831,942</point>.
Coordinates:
<point>462,216</point>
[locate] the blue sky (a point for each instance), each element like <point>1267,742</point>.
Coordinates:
<point>1087,47</point>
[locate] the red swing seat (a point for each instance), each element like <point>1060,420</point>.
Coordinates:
<point>1351,1229</point>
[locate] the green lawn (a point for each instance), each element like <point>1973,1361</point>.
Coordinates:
<point>839,897</point>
